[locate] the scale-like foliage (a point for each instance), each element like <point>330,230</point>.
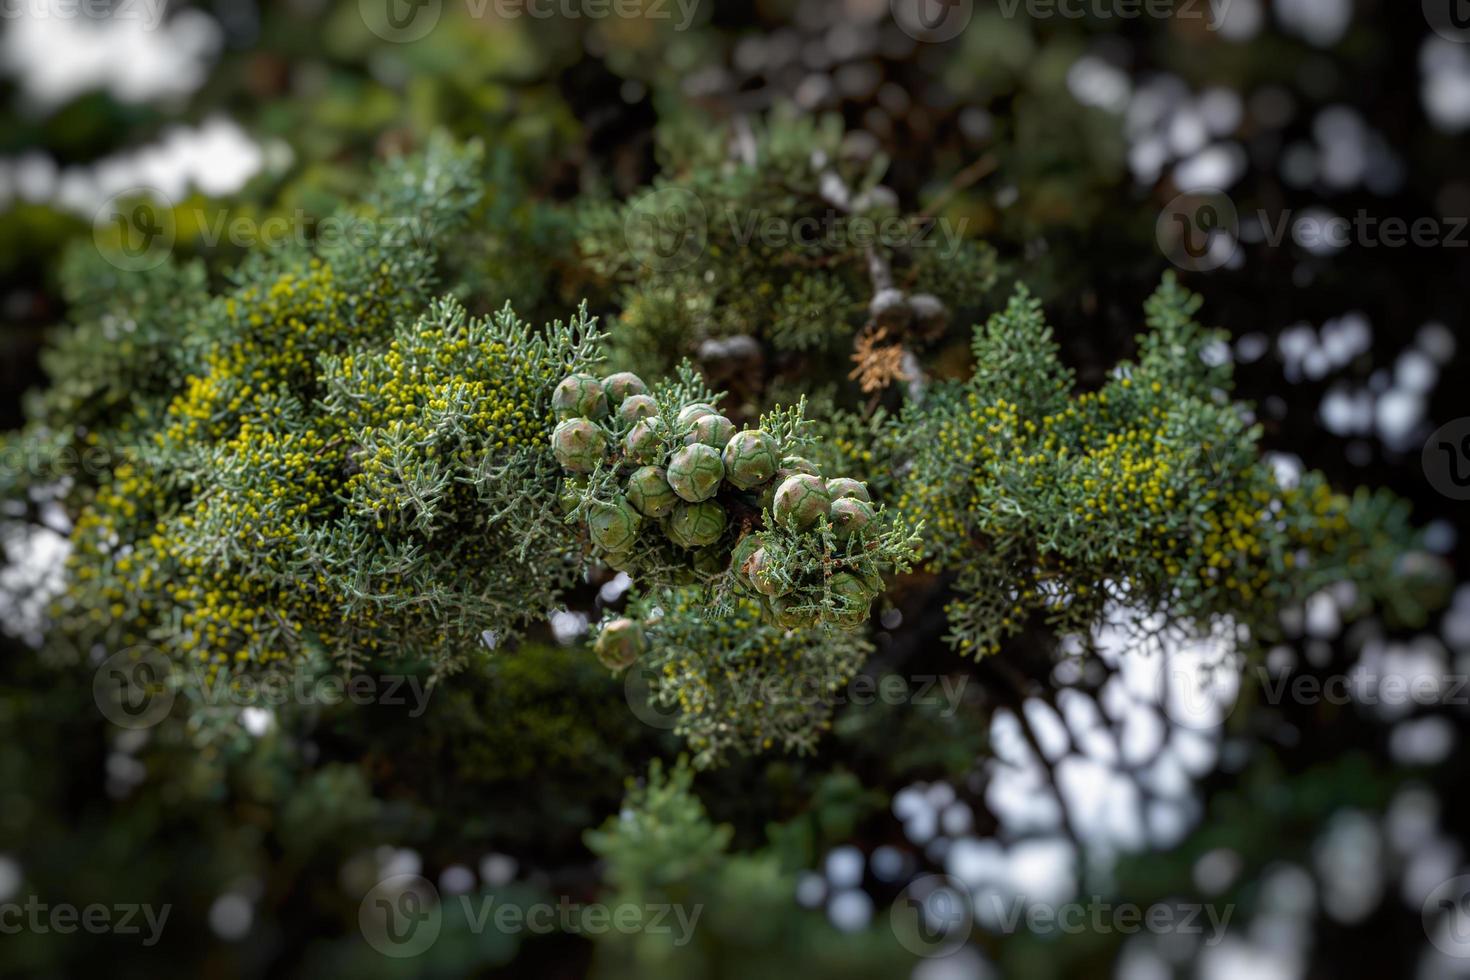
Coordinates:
<point>1151,491</point>
<point>351,468</point>
<point>736,685</point>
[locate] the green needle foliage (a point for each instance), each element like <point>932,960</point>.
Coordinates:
<point>777,235</point>
<point>348,465</point>
<point>330,458</point>
<point>664,848</point>
<point>1048,504</point>
<point>734,684</point>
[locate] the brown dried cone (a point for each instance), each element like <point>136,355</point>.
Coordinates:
<point>879,360</point>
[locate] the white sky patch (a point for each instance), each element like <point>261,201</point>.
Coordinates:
<point>30,578</point>
<point>216,158</point>
<point>1320,22</point>
<point>1092,81</point>
<point>1444,69</point>
<point>136,59</point>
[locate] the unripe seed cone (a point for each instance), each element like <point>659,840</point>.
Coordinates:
<point>579,395</point>
<point>695,472</point>
<point>791,465</point>
<point>650,493</point>
<point>613,526</point>
<point>571,494</point>
<point>842,486</point>
<point>757,569</point>
<point>696,525</point>
<point>578,444</point>
<point>621,561</point>
<point>749,458</point>
<point>801,500</point>
<point>784,611</point>
<point>636,407</point>
<point>712,430</point>
<point>619,386</point>
<point>709,560</point>
<point>741,553</point>
<point>644,443</point>
<point>853,589</point>
<point>850,514</point>
<point>689,413</point>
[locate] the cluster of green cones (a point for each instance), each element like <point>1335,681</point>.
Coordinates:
<point>673,494</point>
